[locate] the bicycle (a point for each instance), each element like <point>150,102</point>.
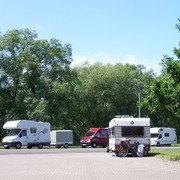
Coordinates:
<point>127,148</point>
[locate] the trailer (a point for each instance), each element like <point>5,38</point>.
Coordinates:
<point>26,133</point>
<point>61,138</point>
<point>163,136</point>
<point>132,129</point>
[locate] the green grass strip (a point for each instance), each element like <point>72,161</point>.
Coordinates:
<point>169,154</point>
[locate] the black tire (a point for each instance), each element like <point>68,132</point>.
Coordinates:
<point>29,147</point>
<point>107,149</point>
<point>18,145</point>
<point>145,152</point>
<point>40,146</point>
<point>66,145</point>
<point>158,144</point>
<point>7,147</point>
<point>58,146</point>
<point>122,153</point>
<point>94,145</point>
<point>83,146</point>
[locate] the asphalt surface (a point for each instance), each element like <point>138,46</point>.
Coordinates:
<point>85,164</point>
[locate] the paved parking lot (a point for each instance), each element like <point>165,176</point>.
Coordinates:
<point>85,166</point>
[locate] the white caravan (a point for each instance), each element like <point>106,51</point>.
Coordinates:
<point>163,136</point>
<point>26,133</point>
<point>61,138</point>
<point>133,129</point>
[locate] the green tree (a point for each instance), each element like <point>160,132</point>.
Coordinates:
<point>164,94</point>
<point>107,90</point>
<point>30,70</point>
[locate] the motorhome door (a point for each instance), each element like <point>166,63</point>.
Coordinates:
<point>23,137</point>
<point>33,136</point>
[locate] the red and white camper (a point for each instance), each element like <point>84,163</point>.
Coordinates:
<point>132,129</point>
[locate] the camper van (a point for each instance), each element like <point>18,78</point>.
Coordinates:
<point>163,136</point>
<point>95,137</point>
<point>26,133</point>
<point>61,138</point>
<point>132,129</point>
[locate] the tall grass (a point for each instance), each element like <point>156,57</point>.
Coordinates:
<point>169,154</point>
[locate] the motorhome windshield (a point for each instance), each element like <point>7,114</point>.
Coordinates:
<point>154,135</point>
<point>13,132</point>
<point>89,134</point>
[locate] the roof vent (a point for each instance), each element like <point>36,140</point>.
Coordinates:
<point>123,116</point>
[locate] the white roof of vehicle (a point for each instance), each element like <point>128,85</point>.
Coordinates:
<point>19,124</point>
<point>129,122</point>
<point>157,129</point>
<point>63,130</point>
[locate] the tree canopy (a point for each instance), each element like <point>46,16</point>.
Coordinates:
<point>37,82</point>
<point>164,94</point>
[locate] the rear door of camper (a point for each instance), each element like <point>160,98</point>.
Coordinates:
<point>168,136</point>
<point>43,132</point>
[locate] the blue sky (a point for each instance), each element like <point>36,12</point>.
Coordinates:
<point>107,31</point>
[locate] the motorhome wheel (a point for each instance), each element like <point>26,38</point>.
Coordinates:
<point>6,147</point>
<point>29,147</point>
<point>66,145</point>
<point>18,145</point>
<point>40,146</point>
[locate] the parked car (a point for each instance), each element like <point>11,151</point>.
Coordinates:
<point>95,137</point>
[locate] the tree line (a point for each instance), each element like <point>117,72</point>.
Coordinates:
<point>37,82</point>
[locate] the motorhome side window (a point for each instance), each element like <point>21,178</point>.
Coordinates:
<point>23,133</point>
<point>135,131</point>
<point>33,130</point>
<point>111,132</point>
<point>160,136</point>
<point>166,134</point>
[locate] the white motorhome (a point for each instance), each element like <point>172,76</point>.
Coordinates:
<point>133,129</point>
<point>61,138</point>
<point>26,133</point>
<point>163,136</point>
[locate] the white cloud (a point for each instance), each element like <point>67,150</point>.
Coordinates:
<point>103,58</point>
<point>131,59</point>
<point>80,60</point>
<point>148,64</point>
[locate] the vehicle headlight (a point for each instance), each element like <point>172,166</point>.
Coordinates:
<point>10,140</point>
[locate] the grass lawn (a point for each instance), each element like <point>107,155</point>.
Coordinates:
<point>169,154</point>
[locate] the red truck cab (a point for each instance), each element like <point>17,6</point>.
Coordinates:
<point>95,137</point>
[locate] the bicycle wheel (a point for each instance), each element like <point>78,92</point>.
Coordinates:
<point>122,153</point>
